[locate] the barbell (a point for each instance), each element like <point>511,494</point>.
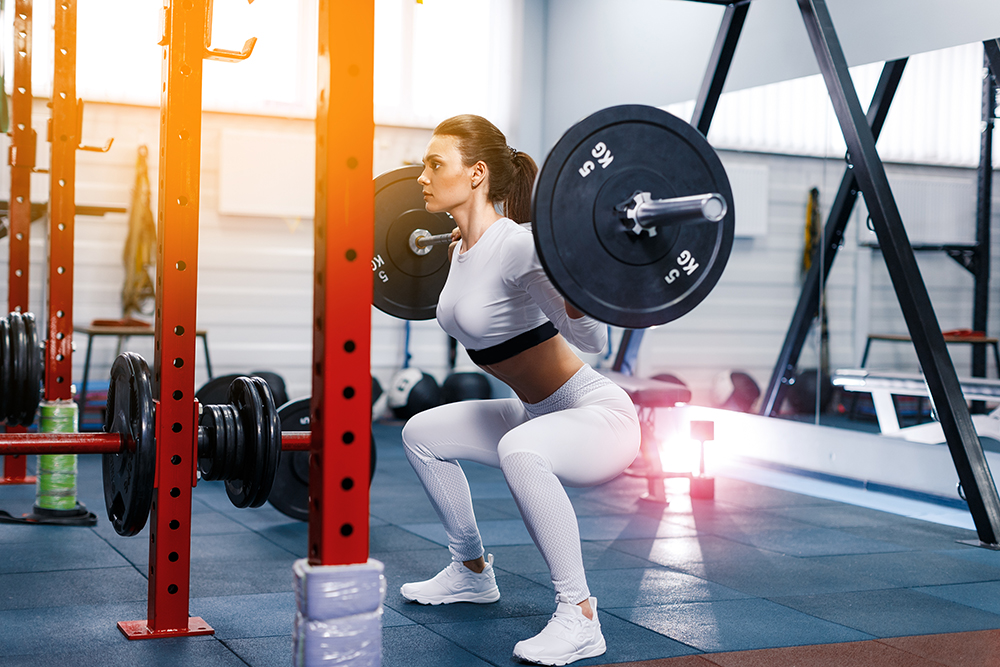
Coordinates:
<point>633,222</point>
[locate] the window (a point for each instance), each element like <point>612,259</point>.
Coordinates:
<point>432,60</point>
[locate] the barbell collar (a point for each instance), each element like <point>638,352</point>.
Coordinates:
<point>421,241</point>
<point>643,213</point>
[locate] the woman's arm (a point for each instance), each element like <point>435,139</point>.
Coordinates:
<point>525,270</point>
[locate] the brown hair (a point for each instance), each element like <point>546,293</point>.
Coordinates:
<point>512,172</point>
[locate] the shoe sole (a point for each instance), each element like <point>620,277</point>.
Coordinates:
<point>589,652</point>
<point>484,598</point>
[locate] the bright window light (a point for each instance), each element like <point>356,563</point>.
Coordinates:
<point>432,60</point>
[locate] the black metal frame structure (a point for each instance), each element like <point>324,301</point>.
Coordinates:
<point>865,174</point>
<point>833,235</point>
<point>914,301</point>
<point>704,110</point>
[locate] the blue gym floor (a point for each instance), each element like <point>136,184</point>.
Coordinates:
<point>757,568</point>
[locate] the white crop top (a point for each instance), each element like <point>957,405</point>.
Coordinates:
<point>498,290</point>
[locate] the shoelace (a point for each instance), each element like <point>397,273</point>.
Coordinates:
<point>571,622</point>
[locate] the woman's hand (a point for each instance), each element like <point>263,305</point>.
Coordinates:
<point>456,238</point>
<point>573,313</point>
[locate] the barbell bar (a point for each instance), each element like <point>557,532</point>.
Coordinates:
<point>641,213</point>
<point>421,241</point>
<point>106,443</point>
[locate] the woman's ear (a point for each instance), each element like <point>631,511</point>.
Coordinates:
<point>479,173</point>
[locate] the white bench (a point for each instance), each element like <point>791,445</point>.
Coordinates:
<point>882,385</point>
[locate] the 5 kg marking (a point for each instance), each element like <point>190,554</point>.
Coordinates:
<point>687,263</point>
<point>603,156</point>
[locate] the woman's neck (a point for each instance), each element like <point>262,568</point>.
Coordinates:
<point>474,221</point>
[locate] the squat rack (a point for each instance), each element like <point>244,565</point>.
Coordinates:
<point>338,528</point>
<point>21,159</point>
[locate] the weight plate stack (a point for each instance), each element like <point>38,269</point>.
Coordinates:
<point>257,418</point>
<point>604,269</point>
<point>17,349</point>
<point>31,384</point>
<point>406,285</point>
<point>129,475</point>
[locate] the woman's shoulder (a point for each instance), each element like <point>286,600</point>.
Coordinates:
<point>517,240</point>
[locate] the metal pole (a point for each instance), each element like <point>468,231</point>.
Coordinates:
<point>176,429</point>
<point>939,372</point>
<point>21,159</point>
<point>833,235</point>
<point>984,212</point>
<point>62,207</point>
<point>341,412</point>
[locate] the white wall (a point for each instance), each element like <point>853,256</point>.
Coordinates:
<point>255,272</point>
<point>601,53</point>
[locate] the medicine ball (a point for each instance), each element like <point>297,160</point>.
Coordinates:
<point>734,390</point>
<point>801,392</point>
<point>669,378</point>
<point>465,387</point>
<point>412,391</point>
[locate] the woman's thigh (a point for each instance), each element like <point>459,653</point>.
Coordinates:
<point>466,430</point>
<point>588,444</point>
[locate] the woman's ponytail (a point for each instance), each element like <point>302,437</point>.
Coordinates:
<point>517,204</point>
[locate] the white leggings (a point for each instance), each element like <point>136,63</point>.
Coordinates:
<point>584,434</point>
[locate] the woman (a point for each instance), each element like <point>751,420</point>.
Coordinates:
<point>568,425</point>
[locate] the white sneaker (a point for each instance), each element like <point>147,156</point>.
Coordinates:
<point>569,636</point>
<point>455,583</point>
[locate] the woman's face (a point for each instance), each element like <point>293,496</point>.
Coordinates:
<point>447,183</point>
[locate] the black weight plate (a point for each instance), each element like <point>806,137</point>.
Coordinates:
<point>6,369</point>
<point>290,494</point>
<point>272,440</point>
<point>406,285</point>
<point>33,374</point>
<point>129,474</point>
<point>18,350</point>
<point>235,445</point>
<point>592,258</point>
<point>244,486</point>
